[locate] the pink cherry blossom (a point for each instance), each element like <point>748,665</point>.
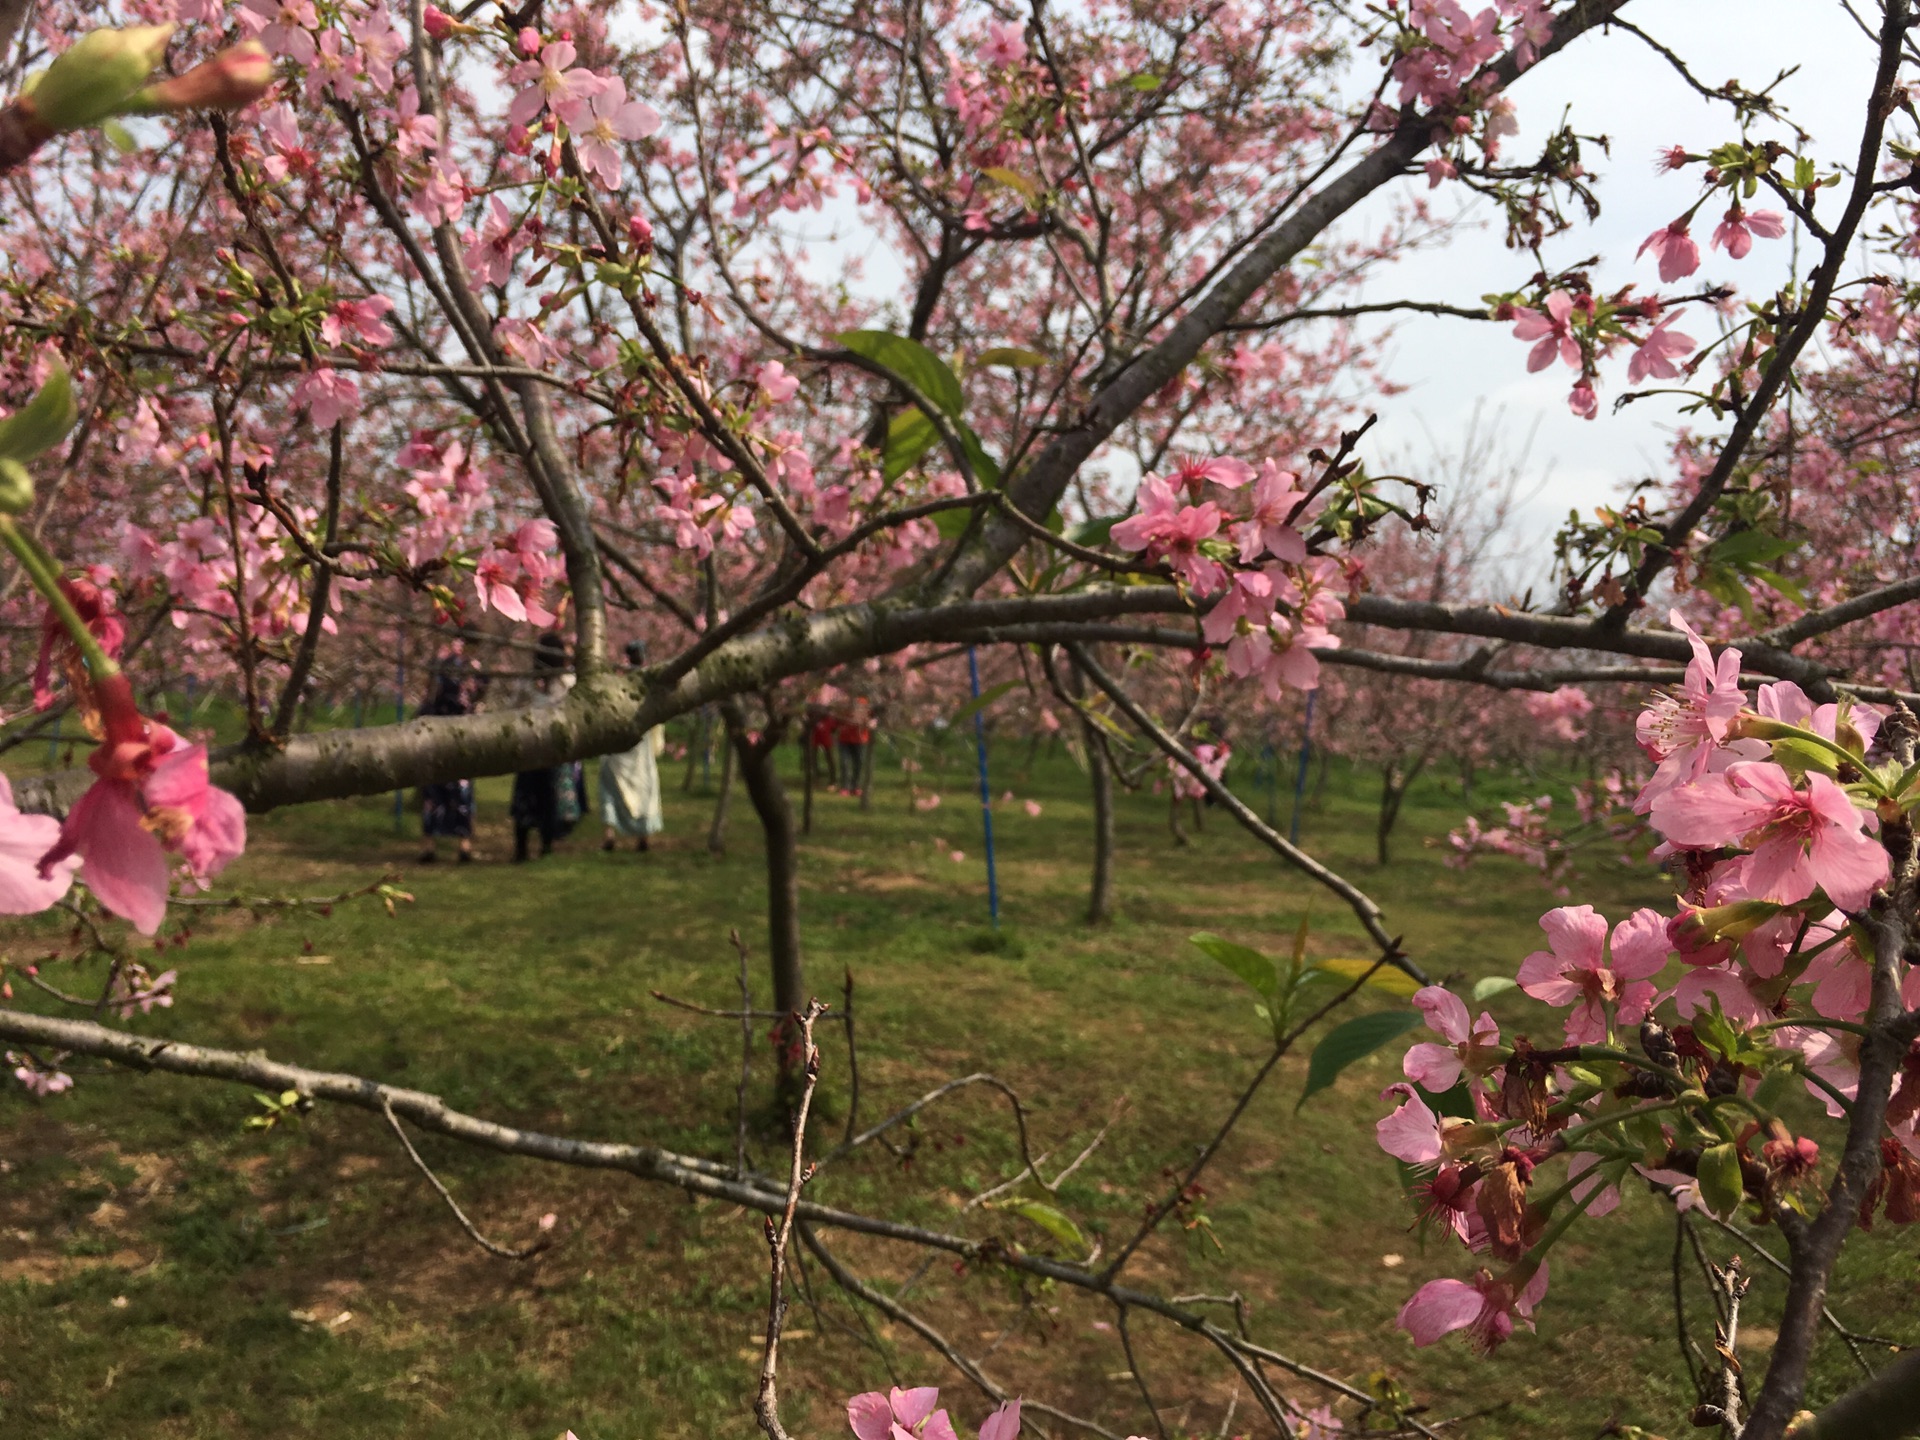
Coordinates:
<point>1438,1067</point>
<point>1222,470</point>
<point>1006,45</point>
<point>24,889</point>
<point>1801,840</point>
<point>603,122</point>
<point>1269,527</point>
<point>1167,529</point>
<point>1675,249</point>
<point>1412,1132</point>
<point>1552,332</point>
<point>550,83</point>
<point>152,794</point>
<point>1575,969</point>
<point>328,396</point>
<point>1582,401</point>
<point>491,249</point>
<point>1680,731</point>
<point>904,1415</point>
<point>772,378</point>
<point>1735,233</point>
<point>379,45</point>
<point>1487,1308</point>
<point>1660,354</point>
<point>282,26</point>
<point>290,155</point>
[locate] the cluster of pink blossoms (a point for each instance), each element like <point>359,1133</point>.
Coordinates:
<point>1273,602</point>
<point>1770,811</point>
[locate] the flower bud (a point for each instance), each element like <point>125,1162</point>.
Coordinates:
<point>96,76</point>
<point>16,488</point>
<point>442,26</point>
<point>231,80</point>
<point>43,422</point>
<point>1695,928</point>
<point>1749,726</point>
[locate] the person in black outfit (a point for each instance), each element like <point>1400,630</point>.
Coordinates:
<point>548,800</point>
<point>446,808</point>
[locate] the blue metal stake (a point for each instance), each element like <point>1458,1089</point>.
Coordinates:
<point>1268,771</point>
<point>986,792</point>
<point>1300,776</point>
<point>53,742</point>
<point>399,715</point>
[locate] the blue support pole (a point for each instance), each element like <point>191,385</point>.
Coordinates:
<point>1300,775</point>
<point>53,742</point>
<point>1269,772</point>
<point>986,792</point>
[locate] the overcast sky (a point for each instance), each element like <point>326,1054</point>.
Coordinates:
<point>1614,85</point>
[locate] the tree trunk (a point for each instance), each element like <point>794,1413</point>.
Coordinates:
<point>760,773</point>
<point>717,832</point>
<point>1173,817</point>
<point>1393,793</point>
<point>1100,897</point>
<point>694,746</point>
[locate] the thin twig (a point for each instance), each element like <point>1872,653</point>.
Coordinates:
<point>504,1252</point>
<point>766,1405</point>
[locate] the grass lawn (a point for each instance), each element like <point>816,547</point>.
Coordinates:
<point>167,1271</point>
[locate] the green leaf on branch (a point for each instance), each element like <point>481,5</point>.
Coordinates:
<point>1488,986</point>
<point>1250,965</point>
<point>1351,1042</point>
<point>981,701</point>
<point>43,422</point>
<point>1052,1221</point>
<point>910,361</point>
<point>909,436</point>
<point>1012,357</point>
<point>1023,187</point>
<point>1387,978</point>
<point>1721,1188</point>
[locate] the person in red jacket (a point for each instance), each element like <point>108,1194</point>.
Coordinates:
<point>854,735</point>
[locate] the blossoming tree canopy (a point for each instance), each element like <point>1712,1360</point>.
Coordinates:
<point>334,330</point>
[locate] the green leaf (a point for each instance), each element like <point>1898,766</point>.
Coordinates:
<point>1387,978</point>
<point>1094,533</point>
<point>1144,82</point>
<point>910,361</point>
<point>1013,357</point>
<point>1721,1188</point>
<point>43,422</point>
<point>909,436</point>
<point>1487,987</point>
<point>1052,1221</point>
<point>1456,1103</point>
<point>119,136</point>
<point>1250,965</point>
<point>951,524</point>
<point>986,470</point>
<point>1353,1041</point>
<point>981,701</point>
<point>1751,547</point>
<point>1013,180</point>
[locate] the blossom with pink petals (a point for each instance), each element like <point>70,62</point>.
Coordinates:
<point>1675,249</point>
<point>1801,839</point>
<point>551,83</point>
<point>1438,1067</point>
<point>603,122</point>
<point>1735,233</point>
<point>283,26</point>
<point>1552,332</point>
<point>1487,1308</point>
<point>24,888</point>
<point>1660,354</point>
<point>328,396</point>
<point>1576,970</point>
<point>1006,45</point>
